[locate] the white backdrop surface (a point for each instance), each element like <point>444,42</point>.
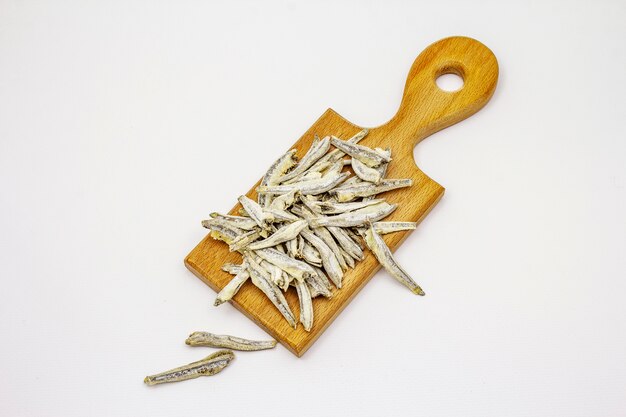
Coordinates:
<point>120,122</point>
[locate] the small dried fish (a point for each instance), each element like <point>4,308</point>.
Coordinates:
<point>367,189</point>
<point>315,152</point>
<point>283,234</point>
<point>348,259</point>
<point>311,255</point>
<point>229,342</point>
<point>337,154</point>
<point>354,236</point>
<point>334,169</point>
<point>313,187</point>
<point>245,223</point>
<point>364,172</point>
<point>319,284</point>
<point>306,305</point>
<point>330,262</point>
<point>331,207</point>
<point>233,286</point>
<point>256,212</point>
<point>310,203</point>
<point>283,202</point>
<point>208,366</point>
<point>382,252</point>
<point>224,233</point>
<point>271,291</point>
<point>307,176</point>
<point>280,215</point>
<point>334,155</point>
<point>347,183</point>
<point>277,170</point>
<point>276,274</point>
<point>389,227</point>
<point>232,268</point>
<point>292,248</point>
<point>356,217</point>
<point>368,156</point>
<point>327,238</point>
<point>293,267</point>
<point>244,240</point>
<point>382,169</point>
<point>385,153</point>
<point>323,278</point>
<point>346,242</point>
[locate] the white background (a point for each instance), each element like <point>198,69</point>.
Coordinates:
<point>124,123</point>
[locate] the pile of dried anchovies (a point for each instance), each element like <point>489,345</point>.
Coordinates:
<point>212,364</point>
<point>304,228</point>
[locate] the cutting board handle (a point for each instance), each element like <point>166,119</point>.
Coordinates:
<point>425,108</point>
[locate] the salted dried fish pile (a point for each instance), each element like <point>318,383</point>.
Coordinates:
<point>309,222</point>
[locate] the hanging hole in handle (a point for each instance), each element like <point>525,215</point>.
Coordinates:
<point>450,77</point>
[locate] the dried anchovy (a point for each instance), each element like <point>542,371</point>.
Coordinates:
<point>208,366</point>
<point>224,233</point>
<point>277,170</point>
<point>383,228</point>
<point>244,240</point>
<point>256,212</point>
<point>271,291</point>
<point>228,342</point>
<point>292,247</point>
<point>232,268</point>
<point>327,238</point>
<point>284,201</point>
<point>293,267</point>
<point>367,189</point>
<point>241,222</point>
<point>329,260</point>
<point>331,207</point>
<point>336,154</point>
<point>368,156</point>
<point>311,255</point>
<point>313,187</point>
<point>280,215</point>
<point>384,256</point>
<point>306,305</point>
<point>356,217</point>
<point>313,175</point>
<point>233,286</point>
<point>355,237</point>
<point>283,234</point>
<point>316,152</point>
<point>346,242</point>
<point>364,172</point>
<point>319,284</point>
<point>347,258</point>
<point>382,168</point>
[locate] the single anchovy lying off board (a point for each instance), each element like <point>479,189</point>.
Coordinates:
<point>303,231</point>
<point>208,366</point>
<point>228,342</point>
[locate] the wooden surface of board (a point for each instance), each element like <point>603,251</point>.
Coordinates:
<point>425,109</point>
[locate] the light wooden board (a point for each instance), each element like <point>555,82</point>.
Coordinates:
<point>425,109</point>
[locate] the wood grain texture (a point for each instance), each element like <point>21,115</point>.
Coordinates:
<point>425,109</point>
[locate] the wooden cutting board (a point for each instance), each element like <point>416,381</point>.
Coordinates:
<point>425,109</point>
